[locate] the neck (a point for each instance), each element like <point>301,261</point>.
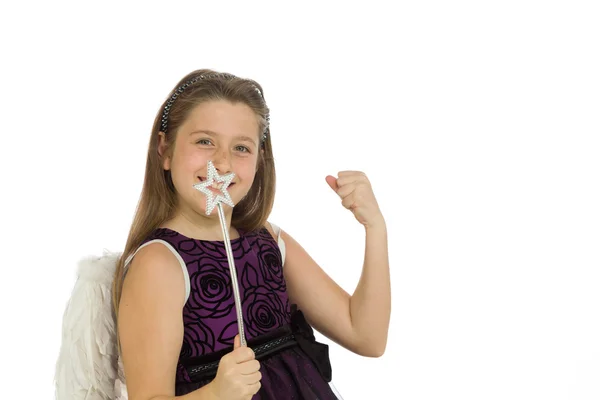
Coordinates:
<point>203,227</point>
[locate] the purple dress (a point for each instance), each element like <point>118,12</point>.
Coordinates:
<point>293,364</point>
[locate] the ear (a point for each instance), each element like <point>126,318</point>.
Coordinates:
<point>163,150</point>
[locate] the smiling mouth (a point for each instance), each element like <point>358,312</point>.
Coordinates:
<point>216,186</point>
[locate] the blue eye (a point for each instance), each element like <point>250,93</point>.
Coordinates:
<point>207,142</point>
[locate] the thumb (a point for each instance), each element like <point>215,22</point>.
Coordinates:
<point>332,182</point>
<point>236,342</point>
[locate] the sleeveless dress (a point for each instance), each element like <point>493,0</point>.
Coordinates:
<point>293,365</point>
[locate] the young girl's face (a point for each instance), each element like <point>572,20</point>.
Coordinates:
<point>220,131</point>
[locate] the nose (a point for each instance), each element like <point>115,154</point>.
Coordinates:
<point>222,162</point>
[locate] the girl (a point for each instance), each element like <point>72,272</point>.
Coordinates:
<point>173,299</point>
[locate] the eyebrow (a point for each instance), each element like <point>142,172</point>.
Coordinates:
<point>211,133</point>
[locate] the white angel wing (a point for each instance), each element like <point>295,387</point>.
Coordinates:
<point>88,366</point>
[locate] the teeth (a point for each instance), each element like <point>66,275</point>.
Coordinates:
<point>215,185</point>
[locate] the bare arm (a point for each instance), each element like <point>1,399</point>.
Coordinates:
<point>151,326</point>
<point>359,322</point>
<point>370,305</point>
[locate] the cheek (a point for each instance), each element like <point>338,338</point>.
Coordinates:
<point>247,168</point>
<point>192,160</point>
<point>183,166</point>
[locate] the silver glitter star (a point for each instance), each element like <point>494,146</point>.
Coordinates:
<point>211,199</point>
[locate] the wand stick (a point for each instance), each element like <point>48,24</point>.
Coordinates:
<point>216,200</point>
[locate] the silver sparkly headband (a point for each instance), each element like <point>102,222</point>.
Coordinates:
<point>181,89</point>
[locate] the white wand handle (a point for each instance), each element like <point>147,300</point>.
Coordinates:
<point>233,272</point>
<point>216,200</point>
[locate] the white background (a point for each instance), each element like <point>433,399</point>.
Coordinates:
<point>476,121</point>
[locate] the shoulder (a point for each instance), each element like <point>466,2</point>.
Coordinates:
<point>154,253</point>
<point>276,233</point>
<point>156,269</point>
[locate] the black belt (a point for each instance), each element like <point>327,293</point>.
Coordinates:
<point>297,333</point>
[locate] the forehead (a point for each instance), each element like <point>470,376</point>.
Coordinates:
<point>223,118</point>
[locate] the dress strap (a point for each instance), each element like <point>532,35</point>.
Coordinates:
<point>280,241</point>
<point>186,275</point>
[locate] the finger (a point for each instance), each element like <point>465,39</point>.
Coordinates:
<point>252,378</point>
<point>348,179</point>
<point>249,367</point>
<point>349,173</point>
<point>332,182</point>
<point>255,387</point>
<point>236,342</point>
<point>346,190</point>
<point>348,201</point>
<point>243,354</point>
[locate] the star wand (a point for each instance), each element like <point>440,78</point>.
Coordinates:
<point>221,182</point>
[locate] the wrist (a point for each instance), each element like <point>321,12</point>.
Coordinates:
<point>377,224</point>
<point>209,392</point>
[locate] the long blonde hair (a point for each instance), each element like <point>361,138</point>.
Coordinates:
<point>158,198</point>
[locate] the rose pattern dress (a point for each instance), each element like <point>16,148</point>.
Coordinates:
<point>210,323</point>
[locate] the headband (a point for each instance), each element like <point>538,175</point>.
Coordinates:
<point>181,89</point>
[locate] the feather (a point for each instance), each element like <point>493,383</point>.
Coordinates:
<point>88,365</point>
